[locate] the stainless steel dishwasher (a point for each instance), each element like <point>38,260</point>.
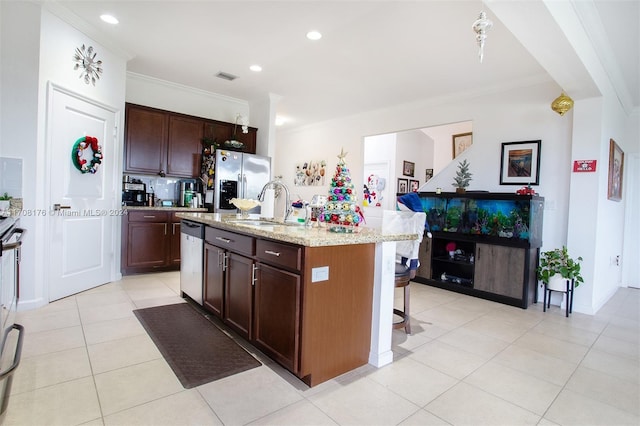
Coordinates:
<point>191,259</point>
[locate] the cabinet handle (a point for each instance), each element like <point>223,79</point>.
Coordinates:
<point>224,240</point>
<point>149,216</point>
<point>220,253</point>
<point>253,275</point>
<point>275,253</point>
<point>478,256</point>
<point>165,229</point>
<point>225,260</point>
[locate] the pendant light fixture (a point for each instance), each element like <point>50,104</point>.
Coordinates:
<point>480,27</point>
<point>562,104</point>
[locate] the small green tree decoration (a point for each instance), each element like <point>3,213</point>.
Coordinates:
<point>463,176</point>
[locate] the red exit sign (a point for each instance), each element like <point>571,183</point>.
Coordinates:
<point>584,165</point>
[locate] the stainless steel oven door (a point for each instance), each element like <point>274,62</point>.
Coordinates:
<point>11,334</point>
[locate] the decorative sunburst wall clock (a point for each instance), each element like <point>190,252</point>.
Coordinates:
<point>85,59</point>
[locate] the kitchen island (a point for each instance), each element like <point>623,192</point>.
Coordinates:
<point>319,303</point>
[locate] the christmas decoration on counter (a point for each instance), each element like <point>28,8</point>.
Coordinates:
<point>77,154</point>
<point>341,212</point>
<point>462,178</point>
<point>526,190</point>
<point>85,59</point>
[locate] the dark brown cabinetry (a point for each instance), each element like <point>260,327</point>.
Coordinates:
<point>184,146</point>
<point>150,241</point>
<point>277,301</point>
<point>164,142</point>
<point>161,142</point>
<point>146,131</point>
<point>214,279</point>
<point>229,278</point>
<point>266,291</point>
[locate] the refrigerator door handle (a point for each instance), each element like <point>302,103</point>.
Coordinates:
<point>244,186</point>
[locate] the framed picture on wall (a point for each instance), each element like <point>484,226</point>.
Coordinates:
<point>616,166</point>
<point>414,185</point>
<point>408,168</point>
<point>520,163</point>
<point>461,142</point>
<point>402,186</point>
<point>428,175</point>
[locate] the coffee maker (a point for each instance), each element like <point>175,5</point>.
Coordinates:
<point>189,190</point>
<point>134,193</point>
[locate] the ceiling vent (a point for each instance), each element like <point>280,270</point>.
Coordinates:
<point>226,76</point>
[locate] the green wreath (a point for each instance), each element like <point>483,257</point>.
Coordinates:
<point>76,154</point>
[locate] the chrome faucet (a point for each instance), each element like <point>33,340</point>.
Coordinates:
<point>277,184</point>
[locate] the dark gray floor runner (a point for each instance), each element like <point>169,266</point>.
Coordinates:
<point>197,351</point>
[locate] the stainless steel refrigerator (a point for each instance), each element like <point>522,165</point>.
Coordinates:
<point>239,175</point>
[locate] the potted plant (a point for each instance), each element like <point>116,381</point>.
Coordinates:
<point>556,266</point>
<point>462,178</point>
<point>5,202</point>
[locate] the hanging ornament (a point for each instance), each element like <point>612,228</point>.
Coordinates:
<point>562,104</point>
<point>480,27</point>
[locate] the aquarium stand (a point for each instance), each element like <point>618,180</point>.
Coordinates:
<point>484,244</point>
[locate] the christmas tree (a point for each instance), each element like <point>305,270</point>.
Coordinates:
<point>342,212</point>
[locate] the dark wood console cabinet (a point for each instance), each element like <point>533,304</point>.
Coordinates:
<point>484,244</point>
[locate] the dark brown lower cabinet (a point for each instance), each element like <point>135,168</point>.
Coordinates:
<point>238,296</point>
<point>308,308</point>
<point>277,314</point>
<point>214,279</point>
<point>150,241</point>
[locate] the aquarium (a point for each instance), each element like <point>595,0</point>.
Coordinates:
<point>497,215</point>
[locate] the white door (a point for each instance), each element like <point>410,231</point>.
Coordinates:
<point>81,243</point>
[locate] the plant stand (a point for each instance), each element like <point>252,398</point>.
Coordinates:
<point>568,292</point>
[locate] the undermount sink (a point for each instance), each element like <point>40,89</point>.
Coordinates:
<point>262,222</point>
<point>252,222</point>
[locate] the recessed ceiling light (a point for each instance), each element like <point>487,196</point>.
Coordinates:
<point>314,35</point>
<point>109,19</point>
<point>255,68</point>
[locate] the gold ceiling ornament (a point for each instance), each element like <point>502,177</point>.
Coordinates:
<point>562,104</point>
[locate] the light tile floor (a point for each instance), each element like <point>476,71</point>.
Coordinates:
<point>87,361</point>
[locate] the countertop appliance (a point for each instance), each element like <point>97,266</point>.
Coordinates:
<point>191,260</point>
<point>134,193</point>
<point>12,334</point>
<point>239,175</point>
<point>188,191</point>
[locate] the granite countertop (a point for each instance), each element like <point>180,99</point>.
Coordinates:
<point>291,233</point>
<point>173,209</point>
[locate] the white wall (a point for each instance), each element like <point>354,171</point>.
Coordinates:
<point>443,144</point>
<point>156,93</point>
<point>20,65</point>
<point>521,114</point>
<point>413,146</point>
<point>514,115</point>
<point>45,54</point>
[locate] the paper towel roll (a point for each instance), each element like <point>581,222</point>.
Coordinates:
<point>266,210</point>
